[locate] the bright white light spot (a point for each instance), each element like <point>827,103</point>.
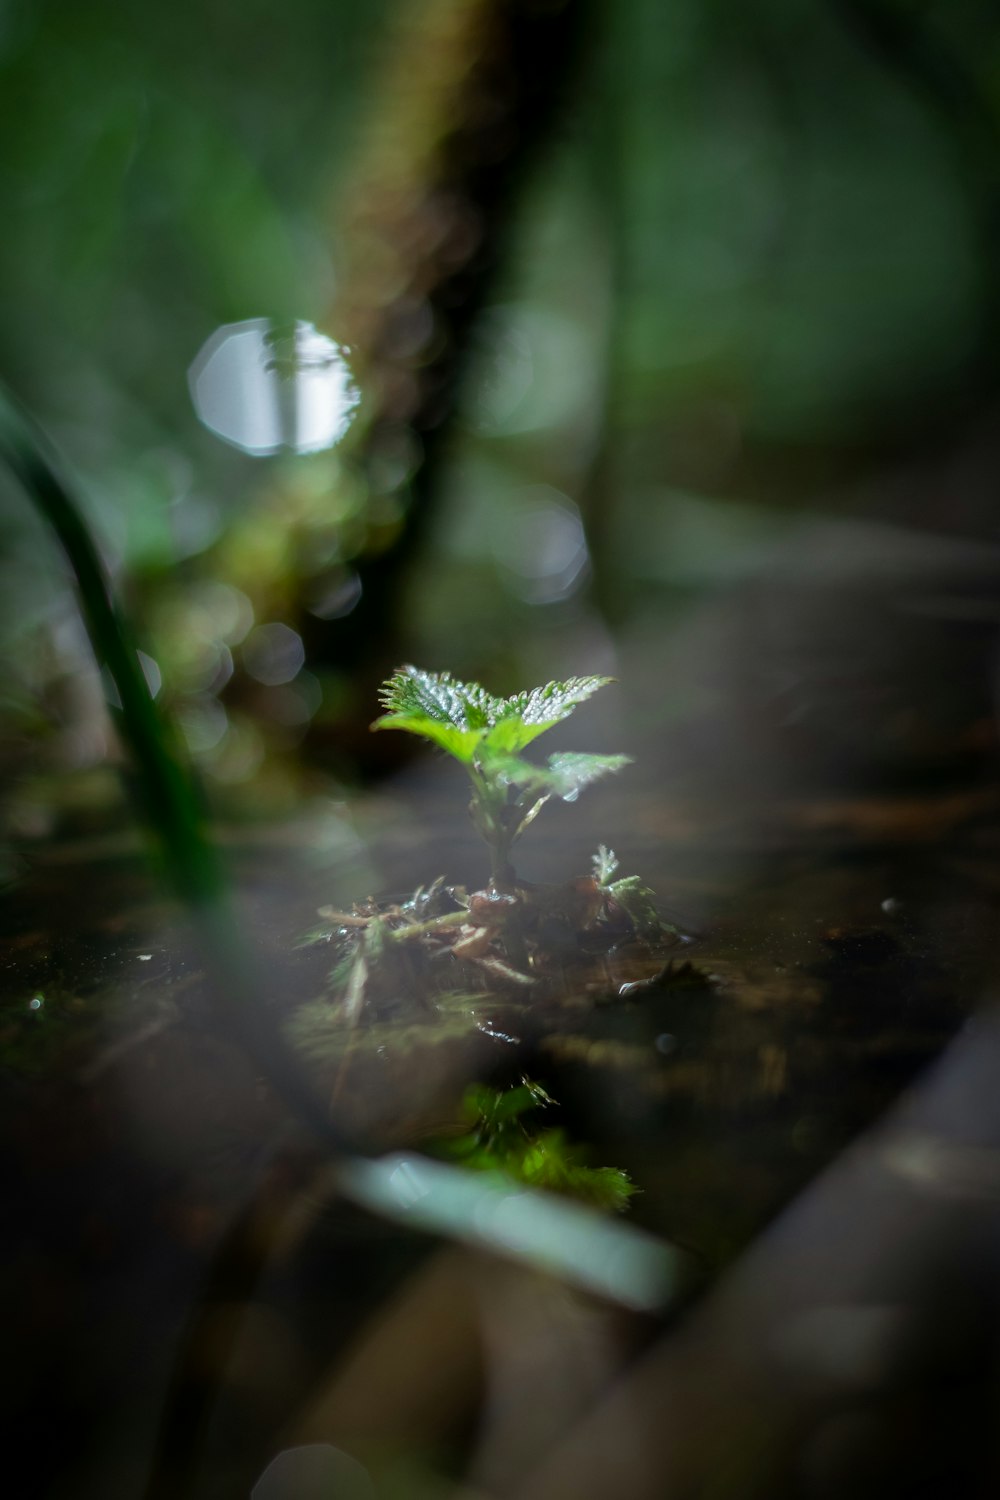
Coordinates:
<point>263,386</point>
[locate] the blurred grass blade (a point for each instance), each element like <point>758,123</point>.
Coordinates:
<point>168,792</point>
<point>167,789</point>
<point>585,1248</point>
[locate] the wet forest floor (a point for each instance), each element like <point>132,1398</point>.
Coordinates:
<point>835,944</point>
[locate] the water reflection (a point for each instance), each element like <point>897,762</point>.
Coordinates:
<point>264,386</point>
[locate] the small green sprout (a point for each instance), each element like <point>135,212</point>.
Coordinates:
<point>632,895</point>
<point>486,735</point>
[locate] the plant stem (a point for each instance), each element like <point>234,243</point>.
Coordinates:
<point>433,924</point>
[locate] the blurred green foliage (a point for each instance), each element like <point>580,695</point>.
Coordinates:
<point>502,1138</point>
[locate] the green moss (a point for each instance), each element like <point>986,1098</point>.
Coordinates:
<point>501,1138</point>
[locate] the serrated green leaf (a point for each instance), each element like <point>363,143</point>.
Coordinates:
<point>440,697</point>
<point>513,770</point>
<point>461,743</point>
<point>417,700</point>
<point>571,772</point>
<point>486,734</point>
<point>452,714</point>
<point>546,705</point>
<point>566,774</point>
<point>522,718</point>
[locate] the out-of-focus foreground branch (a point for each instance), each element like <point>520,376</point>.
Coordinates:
<point>853,1350</point>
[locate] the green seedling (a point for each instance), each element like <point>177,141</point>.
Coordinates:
<point>486,735</point>
<point>512,939</point>
<point>631,894</point>
<point>513,935</point>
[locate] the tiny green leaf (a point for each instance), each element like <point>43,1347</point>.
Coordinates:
<point>605,863</point>
<point>571,772</point>
<point>565,775</point>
